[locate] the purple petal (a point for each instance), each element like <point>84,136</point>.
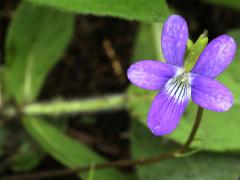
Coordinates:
<point>174,40</point>
<point>168,107</point>
<point>210,94</point>
<point>149,74</point>
<point>218,54</point>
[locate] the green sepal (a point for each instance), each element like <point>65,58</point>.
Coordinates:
<point>189,45</point>
<point>194,51</point>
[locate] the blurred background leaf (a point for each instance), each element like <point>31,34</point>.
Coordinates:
<point>32,48</point>
<point>148,42</point>
<point>207,166</point>
<point>29,59</point>
<point>143,10</point>
<point>27,157</point>
<point>66,150</point>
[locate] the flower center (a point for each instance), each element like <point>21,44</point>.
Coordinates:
<point>183,77</point>
<point>179,87</point>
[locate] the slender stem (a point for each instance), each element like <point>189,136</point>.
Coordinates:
<point>60,107</point>
<point>195,127</point>
<point>120,163</point>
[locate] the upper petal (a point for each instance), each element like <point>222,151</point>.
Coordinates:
<point>218,54</point>
<point>168,107</point>
<point>149,74</point>
<point>174,40</point>
<point>210,94</point>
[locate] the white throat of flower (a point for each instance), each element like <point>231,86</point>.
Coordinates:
<point>179,86</point>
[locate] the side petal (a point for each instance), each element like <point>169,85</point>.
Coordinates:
<point>168,107</point>
<point>218,54</point>
<point>174,40</point>
<point>149,74</point>
<point>210,94</point>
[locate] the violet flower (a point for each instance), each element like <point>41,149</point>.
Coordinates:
<point>178,85</point>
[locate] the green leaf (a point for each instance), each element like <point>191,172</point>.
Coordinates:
<point>66,150</point>
<point>233,69</point>
<point>218,131</point>
<point>207,166</point>
<point>143,10</point>
<point>36,39</point>
<point>26,158</point>
<point>230,3</point>
<point>148,42</point>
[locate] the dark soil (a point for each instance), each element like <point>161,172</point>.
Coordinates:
<point>86,69</point>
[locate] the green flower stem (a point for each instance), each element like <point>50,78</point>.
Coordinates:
<point>193,133</point>
<point>60,107</point>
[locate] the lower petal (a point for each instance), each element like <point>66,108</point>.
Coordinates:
<point>210,94</point>
<point>167,109</point>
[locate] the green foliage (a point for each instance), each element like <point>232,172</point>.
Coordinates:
<point>143,10</point>
<point>230,3</point>
<point>26,158</point>
<point>207,166</point>
<point>66,150</point>
<point>148,42</point>
<point>218,131</point>
<point>233,70</point>
<point>36,40</point>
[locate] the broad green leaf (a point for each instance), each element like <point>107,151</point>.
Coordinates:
<point>66,150</point>
<point>26,158</point>
<point>200,166</point>
<point>36,39</point>
<point>230,3</point>
<point>218,131</point>
<point>233,70</point>
<point>143,10</point>
<point>148,42</point>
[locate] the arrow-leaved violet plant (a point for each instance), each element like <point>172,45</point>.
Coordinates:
<point>177,82</point>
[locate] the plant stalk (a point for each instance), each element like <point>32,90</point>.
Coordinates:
<point>65,107</point>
